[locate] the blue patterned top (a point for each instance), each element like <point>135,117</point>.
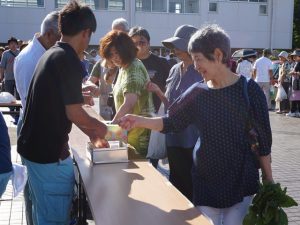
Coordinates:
<point>5,155</point>
<point>224,170</point>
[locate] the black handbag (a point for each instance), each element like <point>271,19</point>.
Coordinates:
<point>110,100</point>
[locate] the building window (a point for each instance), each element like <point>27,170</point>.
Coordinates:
<point>60,3</point>
<point>191,6</point>
<point>258,0</point>
<point>172,6</point>
<point>22,3</point>
<point>176,6</point>
<point>263,9</point>
<point>248,0</point>
<point>97,4</point>
<point>116,4</point>
<point>213,7</point>
<point>159,6</point>
<point>142,5</point>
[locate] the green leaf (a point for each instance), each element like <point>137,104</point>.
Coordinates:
<point>250,219</point>
<point>268,213</point>
<point>283,220</point>
<point>287,201</point>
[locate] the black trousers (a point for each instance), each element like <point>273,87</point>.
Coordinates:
<point>295,106</point>
<point>180,162</point>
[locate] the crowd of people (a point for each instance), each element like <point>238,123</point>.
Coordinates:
<point>207,107</point>
<point>282,73</point>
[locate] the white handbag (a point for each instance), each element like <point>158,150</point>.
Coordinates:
<point>157,144</point>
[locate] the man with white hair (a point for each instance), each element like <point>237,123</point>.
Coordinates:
<point>120,24</point>
<point>24,67</point>
<point>26,61</point>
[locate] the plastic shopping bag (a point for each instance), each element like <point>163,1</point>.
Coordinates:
<point>157,144</point>
<point>6,97</point>
<point>19,178</point>
<point>281,94</point>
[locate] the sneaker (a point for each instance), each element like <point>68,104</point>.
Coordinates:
<point>291,114</point>
<point>279,112</point>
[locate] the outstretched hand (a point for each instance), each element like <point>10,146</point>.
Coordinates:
<point>91,88</point>
<point>88,99</point>
<point>128,121</point>
<point>152,87</point>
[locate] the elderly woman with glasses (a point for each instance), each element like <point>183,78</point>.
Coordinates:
<point>130,95</point>
<point>225,173</point>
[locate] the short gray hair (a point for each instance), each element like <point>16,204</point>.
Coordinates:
<point>120,22</point>
<point>209,38</point>
<point>50,22</point>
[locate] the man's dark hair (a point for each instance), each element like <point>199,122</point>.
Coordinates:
<point>140,32</point>
<point>266,52</point>
<point>12,39</point>
<point>123,44</point>
<point>75,17</point>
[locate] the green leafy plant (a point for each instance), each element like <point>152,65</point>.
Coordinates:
<point>266,207</point>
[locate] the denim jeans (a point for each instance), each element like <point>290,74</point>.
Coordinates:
<point>51,191</point>
<point>4,178</point>
<point>233,215</point>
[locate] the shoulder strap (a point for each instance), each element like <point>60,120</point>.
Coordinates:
<point>245,91</point>
<point>11,52</point>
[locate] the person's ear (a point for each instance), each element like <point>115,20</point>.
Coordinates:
<point>218,54</point>
<point>86,33</point>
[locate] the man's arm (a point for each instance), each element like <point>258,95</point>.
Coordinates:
<point>271,77</point>
<point>88,121</point>
<point>254,74</point>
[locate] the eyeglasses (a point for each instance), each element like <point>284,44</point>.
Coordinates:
<point>140,43</point>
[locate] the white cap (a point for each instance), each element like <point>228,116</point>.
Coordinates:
<point>283,54</point>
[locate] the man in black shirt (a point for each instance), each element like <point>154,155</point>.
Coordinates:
<point>54,102</point>
<point>157,67</point>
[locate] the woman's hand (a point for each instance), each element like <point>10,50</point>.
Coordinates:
<point>89,87</point>
<point>128,121</point>
<point>88,99</point>
<point>152,87</point>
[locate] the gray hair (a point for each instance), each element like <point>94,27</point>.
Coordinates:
<point>50,22</point>
<point>120,22</point>
<point>209,38</point>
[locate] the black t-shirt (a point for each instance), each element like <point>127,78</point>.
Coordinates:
<point>55,84</point>
<point>161,68</point>
<point>296,80</point>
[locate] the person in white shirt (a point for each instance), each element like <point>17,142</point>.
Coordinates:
<point>263,74</point>
<point>24,67</point>
<point>26,61</point>
<point>245,67</point>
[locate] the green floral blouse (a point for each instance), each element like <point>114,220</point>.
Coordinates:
<point>133,80</point>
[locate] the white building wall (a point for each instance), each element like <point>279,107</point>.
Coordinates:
<point>246,27</point>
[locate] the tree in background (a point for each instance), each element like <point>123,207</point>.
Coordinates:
<point>296,25</point>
